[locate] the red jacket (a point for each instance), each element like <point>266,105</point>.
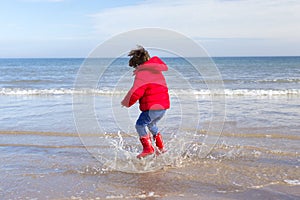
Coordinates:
<point>149,87</point>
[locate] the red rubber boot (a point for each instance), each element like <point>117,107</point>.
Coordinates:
<point>159,143</point>
<point>147,146</point>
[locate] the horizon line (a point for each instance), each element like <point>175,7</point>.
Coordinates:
<point>241,56</point>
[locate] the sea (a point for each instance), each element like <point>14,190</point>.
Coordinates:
<point>232,131</point>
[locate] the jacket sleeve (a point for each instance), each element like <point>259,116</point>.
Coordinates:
<point>135,93</point>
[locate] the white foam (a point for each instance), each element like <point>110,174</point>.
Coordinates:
<point>59,91</point>
<point>292,182</point>
<point>136,196</point>
<point>175,92</point>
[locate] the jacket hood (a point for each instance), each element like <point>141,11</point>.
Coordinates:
<point>153,64</point>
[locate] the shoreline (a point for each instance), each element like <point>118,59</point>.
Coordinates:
<point>230,171</point>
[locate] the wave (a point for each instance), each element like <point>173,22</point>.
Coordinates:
<point>27,81</point>
<point>119,154</point>
<point>47,146</point>
<point>133,134</point>
<point>58,91</point>
<point>286,80</point>
<point>250,81</point>
<point>175,92</point>
<point>64,134</point>
<point>242,92</point>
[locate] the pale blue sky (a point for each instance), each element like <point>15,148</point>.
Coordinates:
<point>73,28</point>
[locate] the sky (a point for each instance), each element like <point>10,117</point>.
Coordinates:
<point>73,28</point>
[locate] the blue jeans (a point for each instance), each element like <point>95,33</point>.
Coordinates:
<point>149,119</point>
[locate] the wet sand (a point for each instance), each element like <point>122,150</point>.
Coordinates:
<point>60,167</point>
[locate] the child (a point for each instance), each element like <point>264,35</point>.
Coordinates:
<point>151,90</point>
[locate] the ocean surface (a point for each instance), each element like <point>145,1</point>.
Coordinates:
<point>232,131</point>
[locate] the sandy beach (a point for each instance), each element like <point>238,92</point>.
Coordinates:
<point>61,168</point>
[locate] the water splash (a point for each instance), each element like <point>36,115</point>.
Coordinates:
<point>180,151</point>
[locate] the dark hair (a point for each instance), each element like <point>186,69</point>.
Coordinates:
<point>138,56</point>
